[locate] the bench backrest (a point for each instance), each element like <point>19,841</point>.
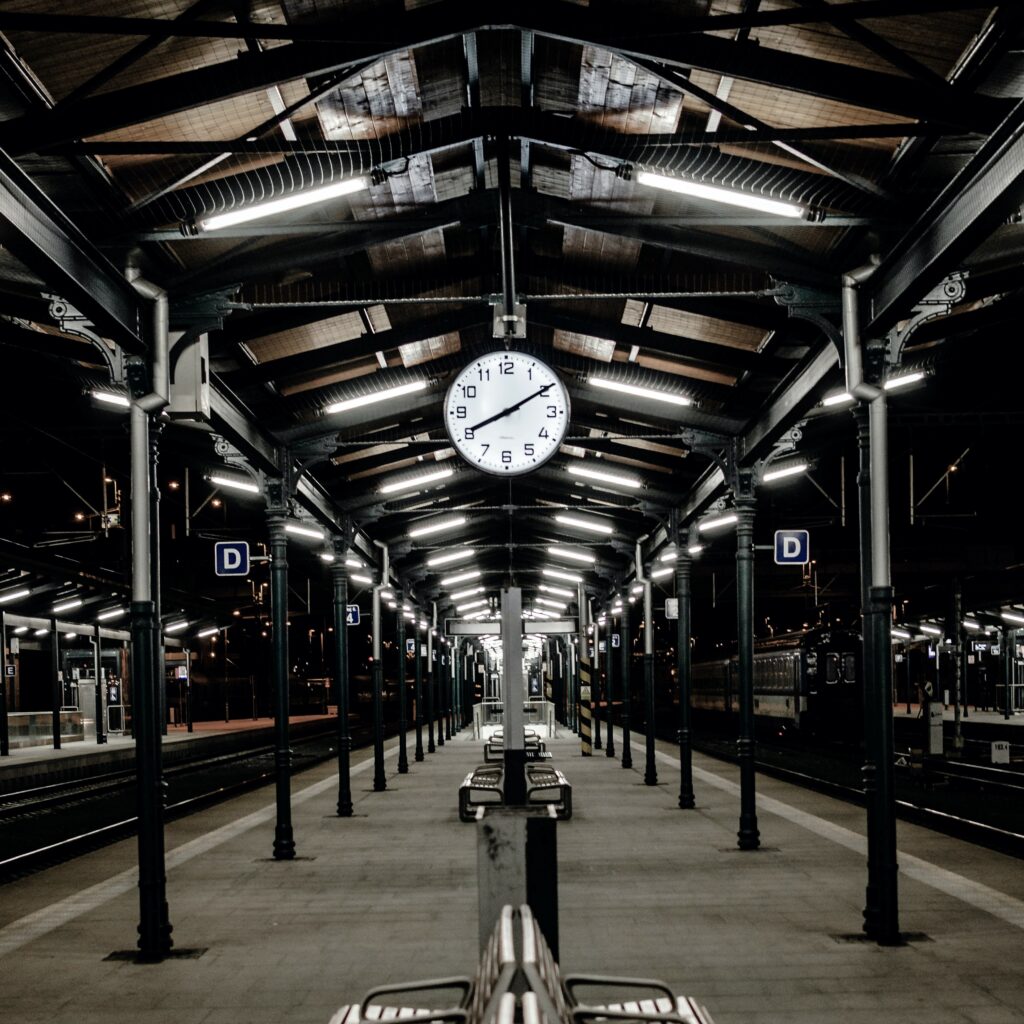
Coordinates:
<point>495,973</point>
<point>541,971</point>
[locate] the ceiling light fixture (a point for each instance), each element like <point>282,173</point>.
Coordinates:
<point>712,524</point>
<point>437,527</point>
<point>109,398</point>
<point>462,594</point>
<point>303,531</point>
<point>176,627</point>
<point>365,580</point>
<point>447,557</point>
<point>14,595</point>
<point>584,524</point>
<point>934,630</point>
<point>208,632</point>
<point>293,202</point>
<point>235,485</point>
<point>901,634</point>
<point>894,383</point>
<point>560,605</point>
<point>557,574</point>
<point>632,389</point>
<point>461,577</point>
<point>376,396</point>
<point>720,195</point>
<point>416,481</point>
<point>66,606</point>
<point>657,574</point>
<point>608,478</point>
<point>111,613</point>
<point>1015,618</point>
<point>783,471</point>
<point>460,608</point>
<point>571,555</point>
<point>560,591</point>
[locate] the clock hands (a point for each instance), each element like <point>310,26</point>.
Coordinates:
<point>512,408</point>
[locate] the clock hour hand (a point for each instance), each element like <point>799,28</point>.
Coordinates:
<point>512,408</point>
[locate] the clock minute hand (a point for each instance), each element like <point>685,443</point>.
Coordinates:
<point>512,408</point>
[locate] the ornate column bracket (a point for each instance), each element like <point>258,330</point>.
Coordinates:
<point>71,321</point>
<point>937,303</point>
<point>814,305</point>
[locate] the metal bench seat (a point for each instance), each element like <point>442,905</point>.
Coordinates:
<point>547,785</point>
<point>481,787</point>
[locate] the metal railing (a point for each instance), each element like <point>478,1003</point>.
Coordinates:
<point>536,712</point>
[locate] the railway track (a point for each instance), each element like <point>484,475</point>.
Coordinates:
<point>101,810</point>
<point>972,802</point>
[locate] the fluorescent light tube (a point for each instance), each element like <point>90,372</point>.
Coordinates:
<point>416,481</point>
<point>571,554</point>
<point>293,202</point>
<point>934,630</point>
<point>560,605</point>
<point>838,398</point>
<point>557,574</point>
<point>353,563</point>
<point>632,389</point>
<point>19,630</point>
<point>460,608</point>
<point>657,574</point>
<point>902,381</point>
<point>713,524</point>
<point>122,401</point>
<point>447,557</point>
<point>783,471</point>
<point>327,556</point>
<point>175,627</point>
<point>41,632</point>
<point>111,613</point>
<point>70,635</point>
<point>66,606</point>
<point>637,588</point>
<point>695,549</point>
<point>14,595</point>
<point>236,485</point>
<point>902,634</point>
<point>720,195</point>
<point>608,478</point>
<point>584,524</point>
<point>208,632</point>
<point>436,527</point>
<point>360,579</point>
<point>1013,617</point>
<point>460,577</point>
<point>560,591</point>
<point>462,594</point>
<point>969,624</point>
<point>303,531</point>
<point>376,396</point>
<point>669,556</point>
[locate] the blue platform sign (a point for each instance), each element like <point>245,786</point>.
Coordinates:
<point>352,615</point>
<point>792,547</point>
<point>231,558</point>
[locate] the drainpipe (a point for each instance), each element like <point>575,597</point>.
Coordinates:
<point>881,911</point>
<point>379,780</point>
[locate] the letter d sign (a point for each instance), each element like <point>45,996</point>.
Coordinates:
<point>792,547</point>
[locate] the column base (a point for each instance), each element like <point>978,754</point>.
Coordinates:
<point>284,843</point>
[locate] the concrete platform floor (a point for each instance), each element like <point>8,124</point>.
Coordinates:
<point>645,889</point>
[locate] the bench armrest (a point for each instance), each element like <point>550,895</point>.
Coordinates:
<point>463,984</point>
<point>574,981</point>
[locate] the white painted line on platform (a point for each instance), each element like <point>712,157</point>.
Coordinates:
<point>47,919</point>
<point>981,897</point>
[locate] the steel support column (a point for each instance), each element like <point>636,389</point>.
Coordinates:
<point>431,678</point>
<point>583,675</point>
<point>596,706</point>
<point>377,673</point>
<point>609,686</point>
<point>97,671</point>
<point>748,835</point>
<point>57,684</point>
<point>418,691</point>
<point>650,766</point>
<point>683,663</point>
<point>339,579</point>
<point>627,683</point>
<point>5,736</point>
<point>284,841</point>
<point>154,921</point>
<point>403,753</point>
<point>442,688</point>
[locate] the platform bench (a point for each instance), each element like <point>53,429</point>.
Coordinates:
<point>547,785</point>
<point>485,998</point>
<point>494,748</point>
<point>552,998</point>
<point>482,787</point>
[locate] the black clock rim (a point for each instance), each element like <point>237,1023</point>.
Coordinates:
<point>508,474</point>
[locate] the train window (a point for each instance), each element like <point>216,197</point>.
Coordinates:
<point>849,668</point>
<point>831,668</point>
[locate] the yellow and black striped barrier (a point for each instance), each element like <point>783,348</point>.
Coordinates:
<point>586,749</point>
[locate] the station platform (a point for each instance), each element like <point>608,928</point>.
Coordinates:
<point>644,889</point>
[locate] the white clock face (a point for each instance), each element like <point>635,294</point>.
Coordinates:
<point>507,413</point>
